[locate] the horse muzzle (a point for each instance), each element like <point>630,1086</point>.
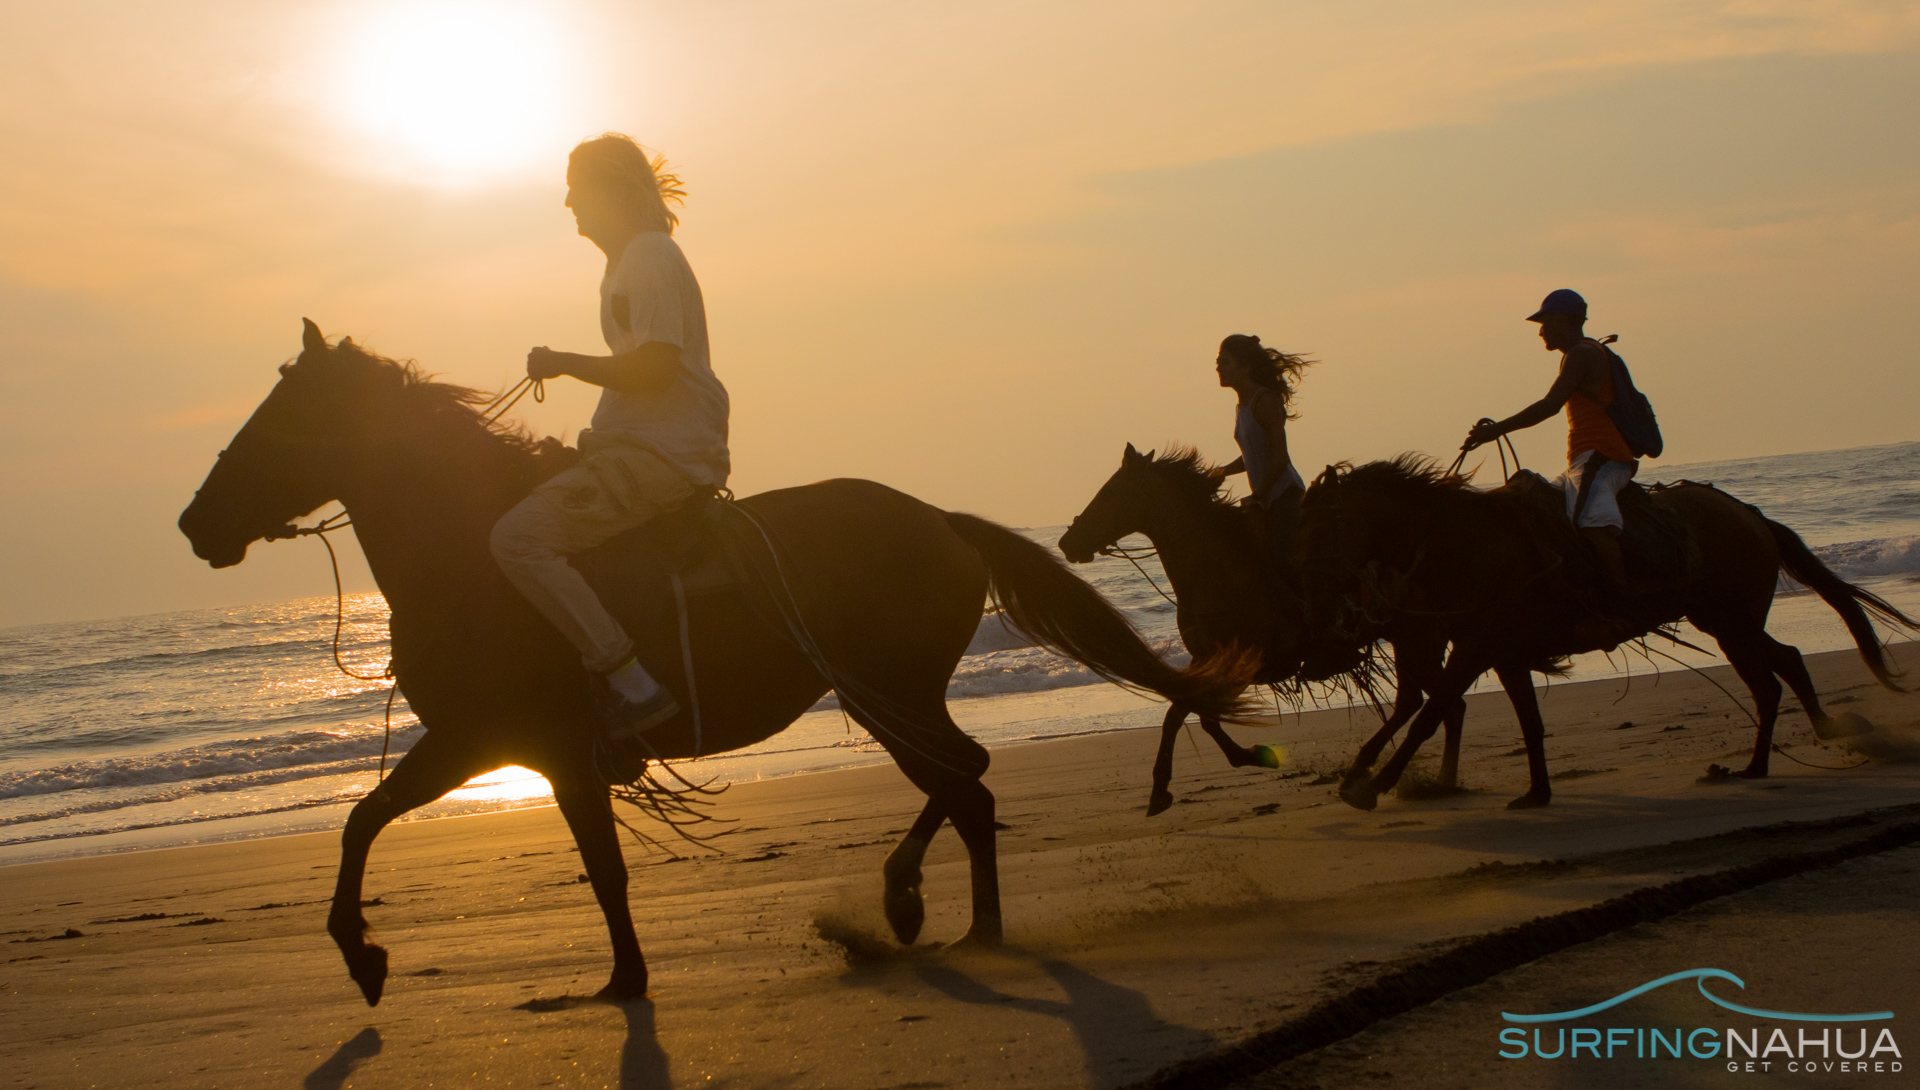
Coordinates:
<point>218,546</point>
<point>1075,549</point>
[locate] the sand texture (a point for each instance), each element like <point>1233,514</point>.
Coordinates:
<point>1134,944</point>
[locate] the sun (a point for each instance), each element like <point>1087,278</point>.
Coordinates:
<point>454,93</point>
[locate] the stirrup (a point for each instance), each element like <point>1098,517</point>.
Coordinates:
<point>626,720</point>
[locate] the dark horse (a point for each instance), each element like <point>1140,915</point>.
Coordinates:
<point>1502,576</point>
<point>878,596</point>
<point>1232,599</point>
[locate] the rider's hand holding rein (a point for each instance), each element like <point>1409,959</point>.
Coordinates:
<point>1483,432</point>
<point>647,368</point>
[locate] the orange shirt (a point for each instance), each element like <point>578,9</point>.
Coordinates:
<point>1590,428</point>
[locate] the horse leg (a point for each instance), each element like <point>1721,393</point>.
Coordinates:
<point>1753,661</point>
<point>972,813</point>
<point>906,912</point>
<point>1787,663</point>
<point>1161,797</point>
<point>1237,755</point>
<point>585,805</point>
<point>938,757</point>
<point>1443,695</point>
<point>1518,681</point>
<point>1404,707</point>
<point>1413,669</point>
<point>1363,793</point>
<point>1450,756</point>
<point>427,771</point>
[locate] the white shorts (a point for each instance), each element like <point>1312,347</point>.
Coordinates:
<point>1603,505</point>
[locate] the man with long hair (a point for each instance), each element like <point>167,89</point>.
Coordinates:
<point>659,435</point>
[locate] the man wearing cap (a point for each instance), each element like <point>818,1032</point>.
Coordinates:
<point>1599,460</point>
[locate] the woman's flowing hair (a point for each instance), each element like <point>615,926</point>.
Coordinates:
<point>1276,370</point>
<point>616,159</point>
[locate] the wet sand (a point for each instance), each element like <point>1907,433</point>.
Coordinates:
<point>1831,941</point>
<point>1134,943</point>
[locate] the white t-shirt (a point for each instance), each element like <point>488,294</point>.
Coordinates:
<point>650,295</point>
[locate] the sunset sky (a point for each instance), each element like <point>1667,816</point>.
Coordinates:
<point>966,250</point>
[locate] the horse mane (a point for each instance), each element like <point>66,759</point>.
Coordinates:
<point>1410,477</point>
<point>420,388</point>
<point>461,408</point>
<point>1184,469</point>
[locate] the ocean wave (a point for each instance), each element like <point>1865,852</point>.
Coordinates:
<point>1027,670</point>
<point>288,756</point>
<point>91,671</point>
<point>1878,556</point>
<point>58,807</point>
<point>995,635</point>
<point>189,819</point>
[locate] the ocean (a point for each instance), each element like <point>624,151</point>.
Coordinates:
<point>220,724</point>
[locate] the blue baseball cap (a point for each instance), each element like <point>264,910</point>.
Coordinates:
<point>1563,301</point>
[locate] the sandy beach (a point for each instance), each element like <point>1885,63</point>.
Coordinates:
<point>1135,944</point>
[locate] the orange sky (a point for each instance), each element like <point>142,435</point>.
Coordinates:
<point>969,251</point>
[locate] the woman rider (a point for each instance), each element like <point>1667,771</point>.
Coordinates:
<point>1264,379</point>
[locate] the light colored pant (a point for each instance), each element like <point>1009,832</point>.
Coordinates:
<point>610,491</point>
<point>1603,505</point>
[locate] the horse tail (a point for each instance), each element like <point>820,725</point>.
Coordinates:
<point>1059,611</point>
<point>1858,608</point>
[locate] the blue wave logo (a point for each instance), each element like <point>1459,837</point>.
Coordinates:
<point>1700,977</point>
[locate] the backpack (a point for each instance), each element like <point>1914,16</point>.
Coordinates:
<point>1630,411</point>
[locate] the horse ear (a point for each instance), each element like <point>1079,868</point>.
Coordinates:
<point>1131,455</point>
<point>311,339</point>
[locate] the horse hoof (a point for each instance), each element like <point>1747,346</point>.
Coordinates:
<point>1159,803</point>
<point>1360,796</point>
<point>906,912</point>
<point>1530,800</point>
<point>1263,755</point>
<point>369,970</point>
<point>1753,772</point>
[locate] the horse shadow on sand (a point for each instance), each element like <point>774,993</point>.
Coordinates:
<point>333,1072</point>
<point>644,1065</point>
<point>1113,1025</point>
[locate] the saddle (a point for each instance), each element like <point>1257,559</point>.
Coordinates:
<point>684,542</point>
<point>1655,542</point>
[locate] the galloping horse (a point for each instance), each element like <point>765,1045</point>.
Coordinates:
<point>858,588</point>
<point>1232,600</point>
<point>1502,576</point>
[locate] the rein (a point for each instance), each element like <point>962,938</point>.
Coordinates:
<point>1134,556</point>
<point>320,530</point>
<point>498,407</point>
<point>1501,445</point>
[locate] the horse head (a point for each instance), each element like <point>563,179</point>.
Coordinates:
<point>1120,508</point>
<point>288,457</point>
<point>1237,600</point>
